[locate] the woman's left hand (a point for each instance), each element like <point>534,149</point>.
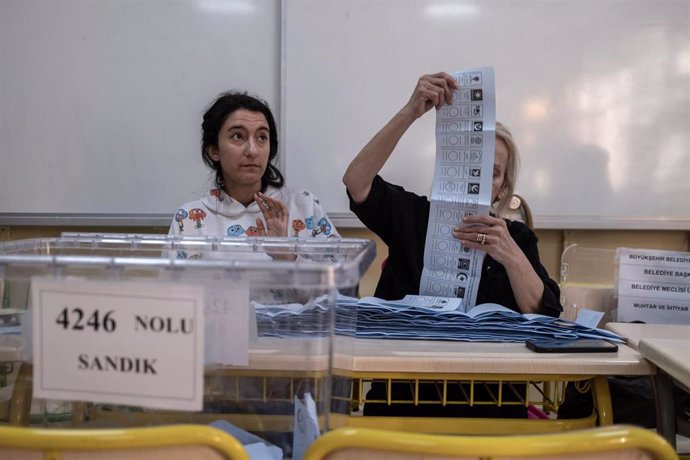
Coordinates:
<point>491,235</point>
<point>488,234</point>
<point>275,214</point>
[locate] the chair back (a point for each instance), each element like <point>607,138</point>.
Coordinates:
<point>610,442</point>
<point>520,211</point>
<point>173,442</point>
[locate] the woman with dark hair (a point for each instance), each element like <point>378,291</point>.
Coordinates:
<point>240,143</point>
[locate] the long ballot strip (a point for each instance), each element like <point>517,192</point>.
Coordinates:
<point>465,139</point>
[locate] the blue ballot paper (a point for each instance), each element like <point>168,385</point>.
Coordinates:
<point>256,448</point>
<point>405,319</point>
<point>306,425</point>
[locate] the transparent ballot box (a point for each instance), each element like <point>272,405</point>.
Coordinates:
<point>269,327</point>
<point>588,279</point>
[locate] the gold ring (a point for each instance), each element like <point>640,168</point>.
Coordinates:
<point>481,238</point>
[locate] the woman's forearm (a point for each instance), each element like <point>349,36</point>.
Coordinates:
<point>369,161</point>
<point>527,287</point>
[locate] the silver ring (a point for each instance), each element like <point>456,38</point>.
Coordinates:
<point>481,238</point>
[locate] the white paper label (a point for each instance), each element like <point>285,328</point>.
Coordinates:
<point>653,286</point>
<point>134,343</point>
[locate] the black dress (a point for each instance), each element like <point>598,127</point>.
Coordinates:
<point>400,219</point>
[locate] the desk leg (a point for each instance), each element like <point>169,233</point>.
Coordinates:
<point>20,404</point>
<point>665,407</point>
<point>602,400</point>
<point>78,414</point>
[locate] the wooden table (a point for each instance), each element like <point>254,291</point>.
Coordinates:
<point>420,356</point>
<point>635,332</point>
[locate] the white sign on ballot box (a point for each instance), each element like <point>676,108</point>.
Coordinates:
<point>126,342</point>
<point>653,286</point>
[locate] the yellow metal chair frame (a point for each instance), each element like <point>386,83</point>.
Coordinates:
<point>549,393</point>
<point>596,442</point>
<point>54,442</point>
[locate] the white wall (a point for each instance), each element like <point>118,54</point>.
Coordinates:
<point>597,94</point>
<point>101,101</point>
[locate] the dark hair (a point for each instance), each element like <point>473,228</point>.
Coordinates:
<point>224,106</point>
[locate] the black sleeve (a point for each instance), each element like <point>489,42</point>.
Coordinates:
<point>390,210</point>
<point>400,219</point>
<point>527,240</point>
<point>374,211</point>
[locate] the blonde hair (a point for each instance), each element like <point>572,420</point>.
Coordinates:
<point>512,167</point>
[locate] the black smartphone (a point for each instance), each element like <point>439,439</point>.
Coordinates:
<point>571,345</point>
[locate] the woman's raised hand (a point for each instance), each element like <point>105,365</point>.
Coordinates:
<point>275,214</point>
<point>432,90</point>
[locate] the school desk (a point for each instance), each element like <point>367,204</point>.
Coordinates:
<point>667,346</point>
<point>361,361</point>
<point>475,362</point>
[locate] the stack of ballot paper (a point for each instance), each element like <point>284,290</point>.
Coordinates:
<point>423,318</point>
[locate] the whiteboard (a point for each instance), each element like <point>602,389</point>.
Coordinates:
<point>597,94</point>
<point>101,101</point>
